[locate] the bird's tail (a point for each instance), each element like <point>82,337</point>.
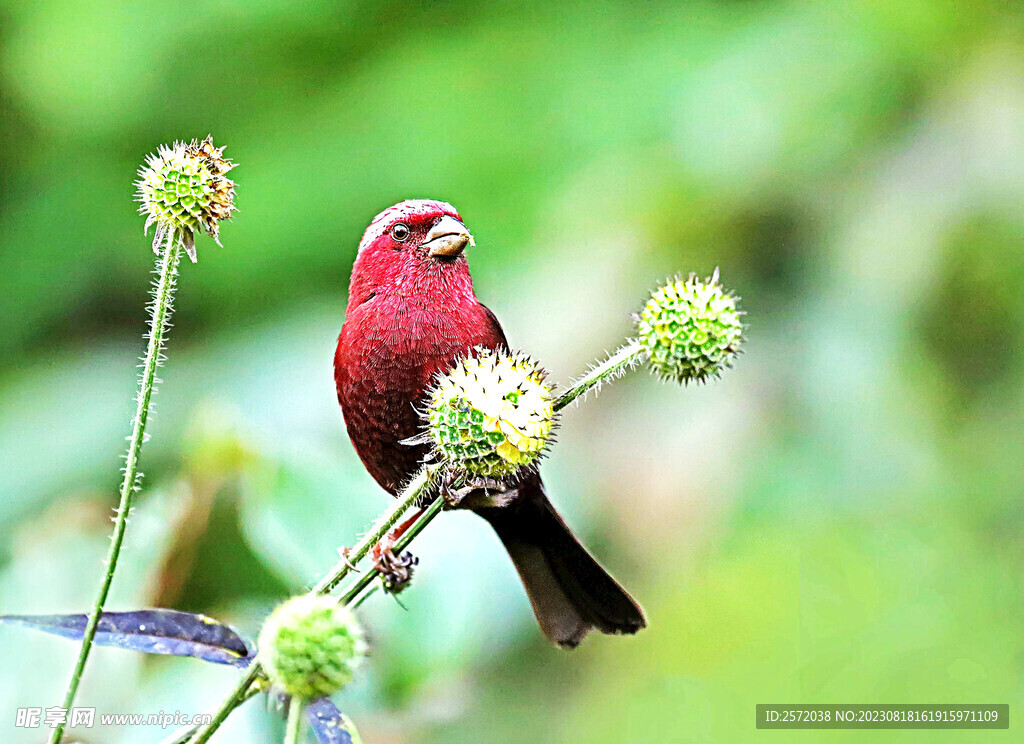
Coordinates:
<point>569,590</point>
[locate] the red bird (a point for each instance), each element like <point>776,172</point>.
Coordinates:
<point>411,314</point>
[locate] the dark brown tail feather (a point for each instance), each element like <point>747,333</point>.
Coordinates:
<point>569,590</point>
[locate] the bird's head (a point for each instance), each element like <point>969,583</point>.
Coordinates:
<point>413,246</point>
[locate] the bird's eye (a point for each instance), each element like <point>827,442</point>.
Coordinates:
<point>400,232</point>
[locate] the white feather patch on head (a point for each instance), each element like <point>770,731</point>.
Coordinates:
<point>405,210</point>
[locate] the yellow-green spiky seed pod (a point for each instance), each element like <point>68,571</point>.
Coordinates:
<point>492,414</point>
<point>691,329</point>
<point>183,189</point>
<point>310,646</point>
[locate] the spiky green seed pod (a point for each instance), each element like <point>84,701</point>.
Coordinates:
<point>492,414</point>
<point>183,189</point>
<point>310,646</point>
<point>691,329</point>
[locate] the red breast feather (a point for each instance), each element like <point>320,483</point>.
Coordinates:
<point>409,317</point>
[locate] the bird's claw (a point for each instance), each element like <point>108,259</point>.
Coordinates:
<point>343,553</point>
<point>381,553</point>
<point>475,493</point>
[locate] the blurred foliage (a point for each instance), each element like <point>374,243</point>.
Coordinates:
<point>839,519</point>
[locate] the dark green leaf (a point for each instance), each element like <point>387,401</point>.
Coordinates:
<point>166,632</point>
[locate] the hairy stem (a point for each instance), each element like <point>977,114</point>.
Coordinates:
<point>184,735</point>
<point>629,355</point>
<point>293,730</point>
<point>403,542</point>
<point>414,491</point>
<point>238,696</point>
<point>160,313</point>
<point>357,602</point>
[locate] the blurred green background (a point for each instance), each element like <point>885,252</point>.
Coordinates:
<point>839,519</point>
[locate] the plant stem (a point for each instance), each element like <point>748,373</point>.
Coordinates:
<point>294,728</point>
<point>160,313</point>
<point>184,735</point>
<point>630,354</point>
<point>617,364</point>
<point>356,603</point>
<point>414,529</point>
<point>626,357</point>
<point>412,493</point>
<point>238,696</point>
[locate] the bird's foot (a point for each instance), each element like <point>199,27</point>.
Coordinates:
<point>380,554</point>
<point>476,493</point>
<point>383,552</point>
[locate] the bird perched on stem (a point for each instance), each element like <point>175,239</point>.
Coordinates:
<point>411,315</point>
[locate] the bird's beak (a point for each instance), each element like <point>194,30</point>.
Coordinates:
<point>447,239</point>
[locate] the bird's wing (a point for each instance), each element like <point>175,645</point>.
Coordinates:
<point>497,340</point>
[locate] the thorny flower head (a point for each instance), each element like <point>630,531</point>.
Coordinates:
<point>183,189</point>
<point>691,329</point>
<point>310,646</point>
<point>492,414</point>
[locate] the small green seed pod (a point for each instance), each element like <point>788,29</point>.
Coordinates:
<point>492,414</point>
<point>183,189</point>
<point>691,329</point>
<point>310,646</point>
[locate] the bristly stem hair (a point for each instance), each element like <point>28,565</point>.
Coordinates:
<point>624,359</point>
<point>159,323</point>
